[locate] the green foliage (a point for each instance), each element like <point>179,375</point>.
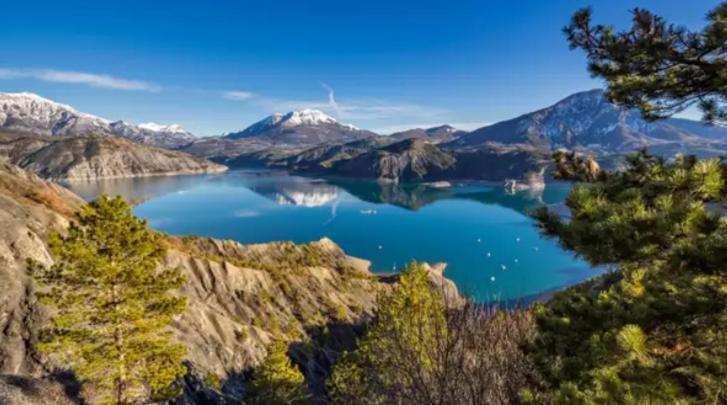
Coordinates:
<point>407,322</point>
<point>655,330</point>
<point>276,380</point>
<point>112,305</point>
<point>658,67</point>
<point>424,349</point>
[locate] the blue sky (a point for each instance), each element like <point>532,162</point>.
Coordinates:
<point>219,66</point>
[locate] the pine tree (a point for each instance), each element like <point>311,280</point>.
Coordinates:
<point>658,67</point>
<point>276,380</point>
<point>112,305</point>
<point>654,330</point>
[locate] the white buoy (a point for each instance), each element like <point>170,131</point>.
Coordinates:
<point>479,240</point>
<point>489,254</point>
<point>536,248</point>
<point>503,267</point>
<point>517,239</point>
<point>492,279</point>
<point>516,261</point>
<point>380,247</point>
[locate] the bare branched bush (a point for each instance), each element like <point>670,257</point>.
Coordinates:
<point>426,349</point>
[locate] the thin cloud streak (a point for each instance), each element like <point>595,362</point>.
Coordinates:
<point>238,95</point>
<point>353,110</point>
<point>71,77</point>
<point>332,99</point>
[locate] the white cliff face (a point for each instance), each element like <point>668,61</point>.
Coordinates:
<point>30,113</point>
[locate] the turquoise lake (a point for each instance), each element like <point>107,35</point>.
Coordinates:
<point>493,249</point>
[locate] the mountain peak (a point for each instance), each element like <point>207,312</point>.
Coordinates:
<point>307,116</point>
<point>299,119</point>
<point>154,127</point>
<point>30,101</point>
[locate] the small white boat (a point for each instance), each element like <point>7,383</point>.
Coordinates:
<point>368,212</point>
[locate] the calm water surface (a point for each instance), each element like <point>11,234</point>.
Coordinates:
<point>492,248</point>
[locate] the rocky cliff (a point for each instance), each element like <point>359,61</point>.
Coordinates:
<point>239,295</point>
<point>86,158</point>
<point>409,160</point>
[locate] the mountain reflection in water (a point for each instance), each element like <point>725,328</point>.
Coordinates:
<point>491,246</point>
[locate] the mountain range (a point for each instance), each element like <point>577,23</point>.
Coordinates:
<point>587,120</point>
<point>310,141</point>
<point>30,113</point>
<point>82,158</point>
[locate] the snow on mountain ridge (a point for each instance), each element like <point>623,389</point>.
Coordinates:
<point>33,102</point>
<point>29,112</point>
<point>307,117</point>
<point>154,127</point>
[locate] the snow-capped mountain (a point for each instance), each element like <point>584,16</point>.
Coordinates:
<point>31,113</point>
<point>587,119</point>
<point>304,127</point>
<point>166,136</point>
<point>28,112</point>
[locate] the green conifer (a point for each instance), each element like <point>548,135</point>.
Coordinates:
<point>655,329</point>
<point>112,304</point>
<point>658,67</point>
<point>276,380</point>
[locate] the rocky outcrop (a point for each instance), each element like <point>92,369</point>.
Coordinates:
<point>409,160</point>
<point>90,158</point>
<point>30,208</point>
<point>25,390</point>
<point>440,134</point>
<point>239,296</point>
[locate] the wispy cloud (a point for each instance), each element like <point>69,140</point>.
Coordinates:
<point>351,109</point>
<point>238,95</point>
<point>361,109</point>
<point>332,99</point>
<point>83,78</point>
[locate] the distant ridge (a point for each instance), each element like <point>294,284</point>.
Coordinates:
<point>588,120</point>
<point>31,113</point>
